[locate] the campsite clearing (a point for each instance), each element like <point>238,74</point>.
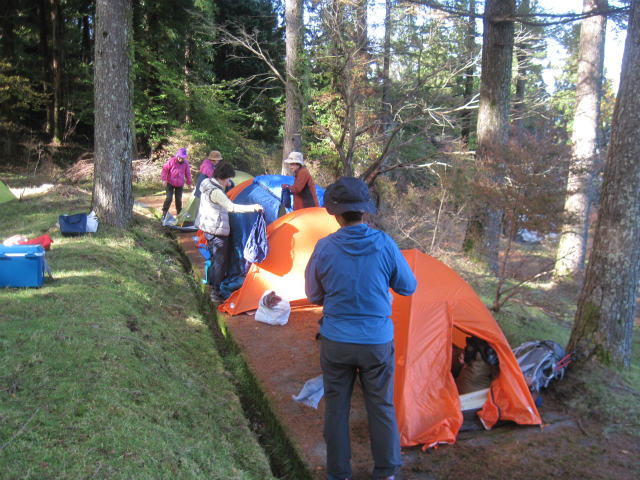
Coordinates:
<point>570,443</point>
<point>582,436</point>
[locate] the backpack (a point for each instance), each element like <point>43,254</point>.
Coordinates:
<point>541,362</point>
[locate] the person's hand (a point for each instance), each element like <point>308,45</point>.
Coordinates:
<point>164,184</point>
<point>285,186</point>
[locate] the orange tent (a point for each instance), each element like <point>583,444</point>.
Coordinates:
<point>443,311</point>
<point>292,239</point>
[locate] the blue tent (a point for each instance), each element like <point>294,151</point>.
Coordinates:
<point>265,190</point>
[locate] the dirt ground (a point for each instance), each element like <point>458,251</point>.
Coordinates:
<point>283,358</point>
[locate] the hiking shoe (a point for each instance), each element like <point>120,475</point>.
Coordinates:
<point>216,297</point>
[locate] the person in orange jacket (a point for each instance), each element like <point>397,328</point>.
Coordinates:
<point>303,188</point>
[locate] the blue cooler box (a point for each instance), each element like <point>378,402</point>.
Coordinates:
<point>21,266</point>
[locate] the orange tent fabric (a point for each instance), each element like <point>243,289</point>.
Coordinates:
<point>443,310</point>
<point>235,191</point>
<point>292,239</point>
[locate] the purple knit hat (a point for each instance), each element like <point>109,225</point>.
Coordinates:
<point>182,153</point>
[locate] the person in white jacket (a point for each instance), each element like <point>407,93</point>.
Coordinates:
<point>213,220</point>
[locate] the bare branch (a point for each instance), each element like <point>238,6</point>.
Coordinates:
<point>525,18</point>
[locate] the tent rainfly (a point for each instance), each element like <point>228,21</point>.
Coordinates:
<point>443,312</point>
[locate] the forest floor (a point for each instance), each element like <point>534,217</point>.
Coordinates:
<point>575,440</point>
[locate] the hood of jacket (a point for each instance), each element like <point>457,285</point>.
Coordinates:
<point>357,239</point>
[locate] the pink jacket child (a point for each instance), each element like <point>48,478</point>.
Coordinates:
<point>174,173</point>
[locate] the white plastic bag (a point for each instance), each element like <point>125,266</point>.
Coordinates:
<point>92,222</point>
<point>273,309</point>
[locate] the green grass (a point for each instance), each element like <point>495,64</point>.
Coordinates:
<point>110,370</point>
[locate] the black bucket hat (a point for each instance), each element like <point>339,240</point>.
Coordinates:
<point>348,194</point>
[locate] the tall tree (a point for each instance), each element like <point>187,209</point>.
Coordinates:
<point>606,308</point>
<point>572,246</point>
<point>45,53</point>
<point>521,57</point>
<point>469,71</point>
<point>293,109</point>
<point>57,67</point>
<point>482,237</point>
<point>114,130</point>
<point>386,67</point>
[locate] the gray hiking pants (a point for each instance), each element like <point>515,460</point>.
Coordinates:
<point>375,365</point>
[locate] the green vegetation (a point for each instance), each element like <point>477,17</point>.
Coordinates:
<point>110,369</point>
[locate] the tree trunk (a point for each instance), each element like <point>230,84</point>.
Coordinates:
<point>482,238</point>
<point>293,109</point>
<point>522,57</point>
<point>45,52</point>
<point>114,130</point>
<point>87,21</point>
<point>7,33</point>
<point>606,308</point>
<point>188,53</point>
<point>470,45</point>
<point>586,120</point>
<point>386,65</point>
<point>57,27</point>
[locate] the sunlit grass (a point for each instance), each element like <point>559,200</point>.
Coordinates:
<point>110,370</point>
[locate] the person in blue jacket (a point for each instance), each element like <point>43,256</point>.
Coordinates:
<point>349,274</point>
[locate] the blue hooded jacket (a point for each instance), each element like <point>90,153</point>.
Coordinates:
<point>349,274</point>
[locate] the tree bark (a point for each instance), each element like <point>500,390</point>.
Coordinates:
<point>386,66</point>
<point>482,238</point>
<point>57,28</point>
<point>114,130</point>
<point>470,44</point>
<point>87,21</point>
<point>293,109</point>
<point>7,33</point>
<point>522,57</point>
<point>188,53</point>
<point>606,308</point>
<point>45,52</point>
<point>586,121</point>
